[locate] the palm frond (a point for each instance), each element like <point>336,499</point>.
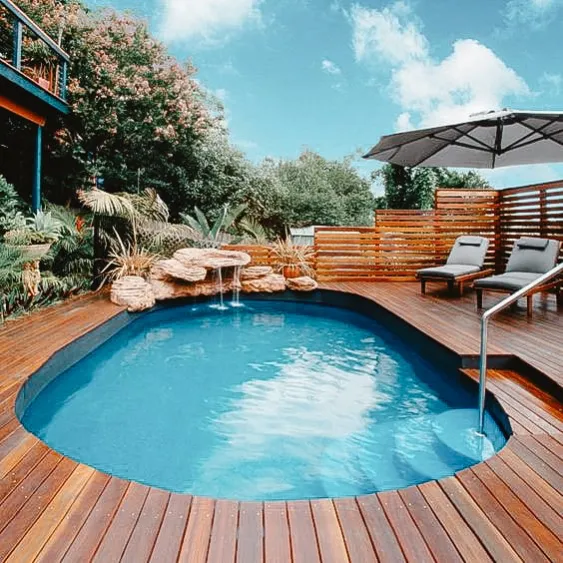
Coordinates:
<point>108,204</point>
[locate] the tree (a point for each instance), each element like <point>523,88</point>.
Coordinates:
<point>413,188</point>
<point>312,190</point>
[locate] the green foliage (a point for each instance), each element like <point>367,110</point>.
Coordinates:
<point>41,228</point>
<point>413,188</point>
<point>216,234</point>
<point>72,255</point>
<point>310,191</point>
<point>11,207</point>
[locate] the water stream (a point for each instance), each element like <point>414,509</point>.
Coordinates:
<point>236,288</point>
<point>219,282</point>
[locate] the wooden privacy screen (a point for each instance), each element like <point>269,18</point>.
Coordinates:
<point>404,241</point>
<point>261,254</point>
<point>535,211</point>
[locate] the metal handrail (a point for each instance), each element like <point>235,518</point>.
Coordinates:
<point>25,19</point>
<point>484,332</point>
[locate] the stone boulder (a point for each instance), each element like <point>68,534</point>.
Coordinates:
<point>267,284</point>
<point>173,269</point>
<point>255,272</point>
<point>211,258</point>
<point>303,283</point>
<point>132,292</point>
<point>170,289</point>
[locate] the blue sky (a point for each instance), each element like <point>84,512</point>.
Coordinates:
<point>335,75</point>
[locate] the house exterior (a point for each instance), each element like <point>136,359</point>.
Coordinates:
<point>33,78</point>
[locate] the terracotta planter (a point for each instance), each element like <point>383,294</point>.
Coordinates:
<point>44,83</point>
<point>291,271</point>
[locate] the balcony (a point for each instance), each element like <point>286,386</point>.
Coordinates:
<point>33,67</point>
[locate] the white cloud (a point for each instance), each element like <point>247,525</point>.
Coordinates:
<point>532,13</point>
<point>330,67</point>
<point>386,33</point>
<point>207,20</point>
<point>471,79</point>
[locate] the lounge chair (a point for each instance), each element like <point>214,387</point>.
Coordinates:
<point>464,263</point>
<point>530,258</point>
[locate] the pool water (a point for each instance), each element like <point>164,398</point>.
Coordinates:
<point>273,400</point>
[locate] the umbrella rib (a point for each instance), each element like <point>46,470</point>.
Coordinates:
<point>449,143</point>
<point>548,137</point>
<point>519,143</point>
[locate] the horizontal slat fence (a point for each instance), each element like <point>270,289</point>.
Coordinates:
<point>260,254</point>
<point>535,211</point>
<point>403,241</point>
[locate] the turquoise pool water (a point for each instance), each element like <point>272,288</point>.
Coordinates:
<point>273,400</point>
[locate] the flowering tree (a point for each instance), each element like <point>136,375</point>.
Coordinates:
<point>136,112</point>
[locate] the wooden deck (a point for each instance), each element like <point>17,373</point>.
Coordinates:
<point>509,508</point>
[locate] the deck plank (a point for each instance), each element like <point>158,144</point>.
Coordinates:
<point>410,539</point>
<point>195,545</point>
<point>277,547</point>
<point>304,543</point>
<point>117,535</point>
<point>383,537</point>
<point>223,543</point>
<point>169,538</point>
<point>250,533</point>
<point>438,541</point>
<point>356,536</point>
<point>332,548</point>
<point>142,539</point>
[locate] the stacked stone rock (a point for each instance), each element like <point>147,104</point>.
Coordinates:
<point>191,272</point>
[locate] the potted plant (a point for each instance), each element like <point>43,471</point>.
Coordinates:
<point>34,235</point>
<point>37,62</point>
<point>293,260</point>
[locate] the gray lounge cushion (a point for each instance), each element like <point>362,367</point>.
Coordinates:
<point>534,255</point>
<point>468,251</point>
<point>510,281</point>
<point>448,272</point>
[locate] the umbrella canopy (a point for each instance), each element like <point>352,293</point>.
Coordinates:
<point>487,140</point>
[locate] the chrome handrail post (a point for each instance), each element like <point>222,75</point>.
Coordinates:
<point>483,371</point>
<point>487,315</point>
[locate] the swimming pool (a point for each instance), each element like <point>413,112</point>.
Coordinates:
<point>273,400</point>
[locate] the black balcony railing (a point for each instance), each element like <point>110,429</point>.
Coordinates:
<point>26,48</point>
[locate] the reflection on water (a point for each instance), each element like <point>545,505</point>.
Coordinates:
<point>267,401</point>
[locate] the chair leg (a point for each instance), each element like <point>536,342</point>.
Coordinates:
<point>479,293</point>
<point>529,305</point>
<point>450,286</point>
<point>423,286</point>
<point>559,296</point>
<point>460,288</point>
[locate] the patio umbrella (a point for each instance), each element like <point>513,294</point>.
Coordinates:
<point>486,140</point>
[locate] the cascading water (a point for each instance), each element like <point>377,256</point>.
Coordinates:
<point>236,288</point>
<point>219,282</point>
